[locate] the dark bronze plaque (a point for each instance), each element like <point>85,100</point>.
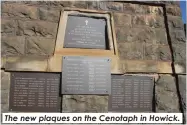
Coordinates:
<point>131,94</point>
<point>86,75</point>
<point>85,32</point>
<point>34,92</point>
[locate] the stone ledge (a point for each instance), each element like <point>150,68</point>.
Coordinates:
<point>47,64</point>
<point>26,63</point>
<point>3,62</point>
<point>54,64</point>
<point>146,66</point>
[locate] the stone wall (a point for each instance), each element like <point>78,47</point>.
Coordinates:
<point>146,31</point>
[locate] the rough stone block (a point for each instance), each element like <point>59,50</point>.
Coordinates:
<point>153,21</point>
<point>164,53</point>
<point>110,6</point>
<point>121,19</point>
<point>173,10</point>
<point>40,46</point>
<point>79,4</point>
<point>128,34</point>
<point>26,63</point>
<point>139,66</point>
<point>150,52</point>
<point>130,50</point>
<point>142,9</point>
<point>173,3</point>
<point>12,45</point>
<point>37,28</point>
<point>177,36</point>
<point>120,34</point>
<point>182,90</point>
<point>166,94</point>
<point>157,10</point>
<point>160,36</point>
<point>179,52</point>
<point>180,67</point>
<point>175,22</point>
<point>85,103</point>
<point>49,14</point>
<point>8,27</point>
<point>21,11</point>
<point>93,5</point>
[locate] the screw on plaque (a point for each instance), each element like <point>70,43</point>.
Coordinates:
<point>108,60</point>
<point>64,57</point>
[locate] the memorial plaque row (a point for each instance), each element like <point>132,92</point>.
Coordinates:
<point>39,92</point>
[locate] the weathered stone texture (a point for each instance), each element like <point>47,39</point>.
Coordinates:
<point>173,10</point>
<point>128,34</point>
<point>21,11</point>
<point>166,94</point>
<point>182,90</point>
<point>139,66</point>
<point>8,27</point>
<point>177,36</point>
<point>110,6</point>
<point>175,22</point>
<point>37,28</point>
<point>27,63</point>
<point>158,10</point>
<point>79,4</point>
<point>85,103</point>
<point>164,53</point>
<point>49,14</point>
<point>5,85</point>
<point>179,52</point>
<point>142,34</point>
<point>142,9</point>
<point>40,46</point>
<point>130,50</point>
<point>12,45</point>
<point>121,19</point>
<point>161,36</point>
<point>153,21</point>
<point>93,5</point>
<point>136,8</point>
<point>150,52</point>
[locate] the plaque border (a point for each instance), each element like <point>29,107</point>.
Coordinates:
<point>59,47</point>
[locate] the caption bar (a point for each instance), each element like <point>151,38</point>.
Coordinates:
<point>92,118</point>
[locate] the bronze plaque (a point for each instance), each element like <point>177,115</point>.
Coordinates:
<point>86,75</point>
<point>131,93</point>
<point>34,92</point>
<point>85,32</point>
